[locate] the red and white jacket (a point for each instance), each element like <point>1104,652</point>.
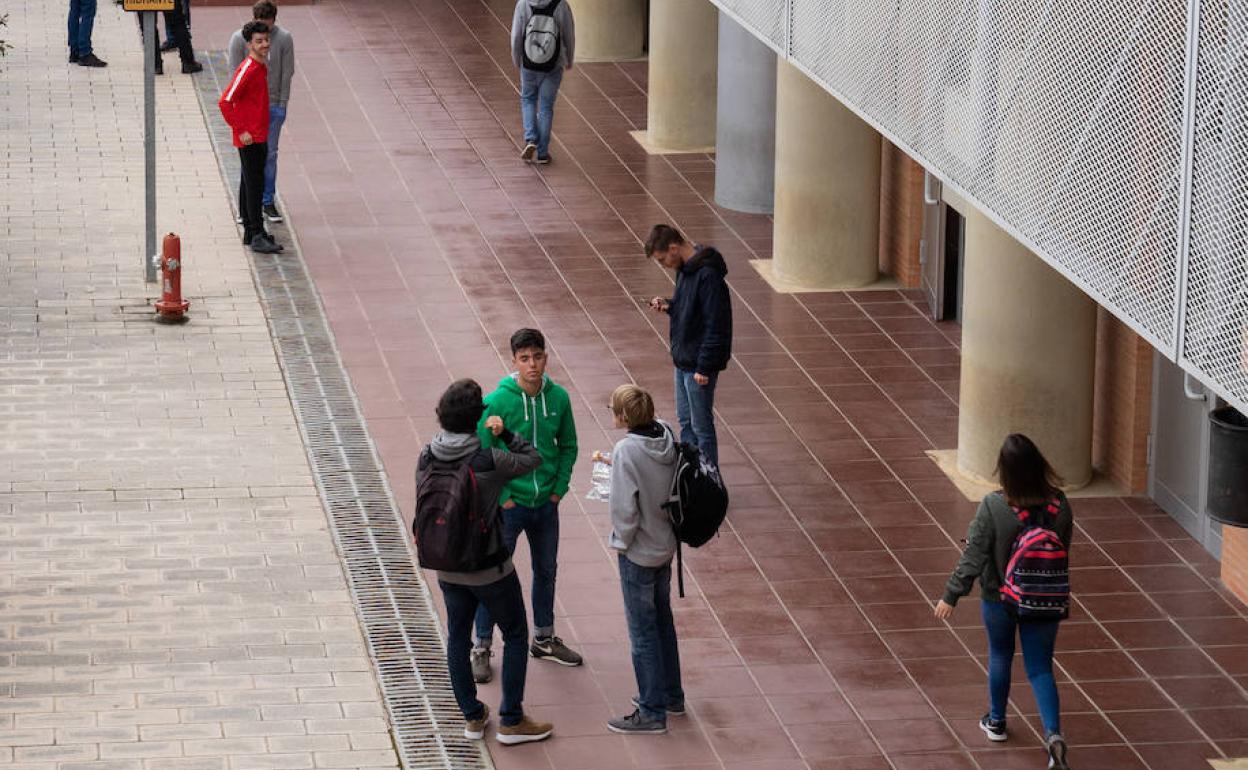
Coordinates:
<point>245,102</point>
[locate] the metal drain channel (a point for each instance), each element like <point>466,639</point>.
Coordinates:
<point>401,628</point>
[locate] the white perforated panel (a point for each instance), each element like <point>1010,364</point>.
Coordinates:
<point>766,19</point>
<point>1215,332</point>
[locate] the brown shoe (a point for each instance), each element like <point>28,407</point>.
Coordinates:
<point>474,729</point>
<point>527,731</point>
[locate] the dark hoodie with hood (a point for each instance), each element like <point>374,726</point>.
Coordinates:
<point>701,312</point>
<point>493,468</point>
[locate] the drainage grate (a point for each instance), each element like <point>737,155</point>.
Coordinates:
<point>401,629</point>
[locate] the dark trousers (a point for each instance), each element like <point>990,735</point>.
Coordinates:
<point>81,22</point>
<point>652,636</point>
<point>502,598</point>
<point>176,29</point>
<point>251,188</point>
<point>542,526</point>
<point>185,7</point>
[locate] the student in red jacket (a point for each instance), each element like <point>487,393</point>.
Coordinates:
<point>245,106</point>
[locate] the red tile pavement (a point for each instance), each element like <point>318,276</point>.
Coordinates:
<point>807,636</point>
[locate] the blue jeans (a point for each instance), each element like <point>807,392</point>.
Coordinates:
<point>1038,641</point>
<point>542,526</point>
<point>277,117</point>
<point>537,106</point>
<point>506,604</point>
<point>694,411</point>
<point>652,634</point>
<point>81,22</point>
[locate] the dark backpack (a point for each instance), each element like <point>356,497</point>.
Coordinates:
<point>1037,575</point>
<point>542,39</point>
<point>697,505</point>
<point>450,533</point>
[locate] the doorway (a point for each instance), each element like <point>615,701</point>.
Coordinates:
<point>941,253</point>
<point>1179,452</point>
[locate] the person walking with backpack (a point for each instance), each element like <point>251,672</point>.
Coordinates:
<point>543,44</point>
<point>1017,546</point>
<point>642,467</point>
<point>458,534</point>
<point>700,332</point>
<point>536,407</point>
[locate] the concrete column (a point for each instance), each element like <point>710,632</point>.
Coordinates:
<point>827,189</point>
<point>1028,356</point>
<point>745,135</point>
<point>681,105</point>
<point>609,30</point>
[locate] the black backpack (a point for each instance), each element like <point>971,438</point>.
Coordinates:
<point>542,39</point>
<point>698,503</point>
<point>450,533</point>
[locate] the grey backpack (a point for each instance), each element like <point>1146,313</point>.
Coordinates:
<point>541,39</point>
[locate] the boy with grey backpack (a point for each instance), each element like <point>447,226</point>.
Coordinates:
<point>543,41</point>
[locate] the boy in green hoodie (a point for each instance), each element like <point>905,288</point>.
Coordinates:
<point>539,410</point>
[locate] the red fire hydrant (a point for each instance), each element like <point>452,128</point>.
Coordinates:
<point>171,307</point>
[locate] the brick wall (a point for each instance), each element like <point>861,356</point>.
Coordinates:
<point>1122,415</point>
<point>901,215</point>
<point>1235,561</point>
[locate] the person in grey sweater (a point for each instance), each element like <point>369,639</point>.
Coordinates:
<point>281,71</point>
<point>543,45</point>
<point>642,466</point>
<point>459,410</point>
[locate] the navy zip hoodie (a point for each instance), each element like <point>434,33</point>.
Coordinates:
<point>701,314</point>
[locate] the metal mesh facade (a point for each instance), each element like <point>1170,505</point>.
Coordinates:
<point>1215,324</point>
<point>1067,123</point>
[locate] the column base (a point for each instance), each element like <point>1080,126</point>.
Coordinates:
<point>973,487</point>
<point>643,138</point>
<point>781,286</point>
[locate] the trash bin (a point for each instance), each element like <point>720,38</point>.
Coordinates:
<point>1228,466</point>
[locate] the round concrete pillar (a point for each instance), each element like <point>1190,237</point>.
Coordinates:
<point>745,134</point>
<point>1028,356</point>
<point>609,30</point>
<point>827,189</point>
<point>681,101</point>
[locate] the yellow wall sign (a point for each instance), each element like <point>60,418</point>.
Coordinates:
<point>148,5</point>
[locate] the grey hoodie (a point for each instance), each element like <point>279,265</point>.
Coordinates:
<point>281,61</point>
<point>641,481</point>
<point>493,470</point>
<point>563,17</point>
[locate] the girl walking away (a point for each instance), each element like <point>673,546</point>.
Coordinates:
<point>1017,547</point>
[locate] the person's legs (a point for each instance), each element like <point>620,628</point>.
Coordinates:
<point>641,612</point>
<point>252,157</point>
<point>179,35</point>
<point>702,415</point>
<point>461,603</point>
<point>547,93</point>
<point>75,17</point>
<point>514,522</point>
<point>1038,641</point>
<point>277,118</point>
<point>506,607</point>
<point>1000,626</point>
<point>543,531</point>
<point>530,85</point>
<point>669,648</point>
<point>86,23</point>
<point>682,406</point>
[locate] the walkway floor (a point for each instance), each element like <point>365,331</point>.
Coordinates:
<point>808,638</point>
<point>170,598</point>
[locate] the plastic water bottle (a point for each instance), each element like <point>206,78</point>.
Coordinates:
<point>600,477</point>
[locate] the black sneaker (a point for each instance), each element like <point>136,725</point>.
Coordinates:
<point>160,67</point>
<point>542,160</point>
<point>91,60</point>
<point>553,649</point>
<point>637,723</point>
<point>1057,752</point>
<point>528,152</point>
<point>271,213</point>
<point>675,710</point>
<point>73,57</point>
<point>167,46</point>
<point>191,67</point>
<point>263,244</point>
<point>992,728</point>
